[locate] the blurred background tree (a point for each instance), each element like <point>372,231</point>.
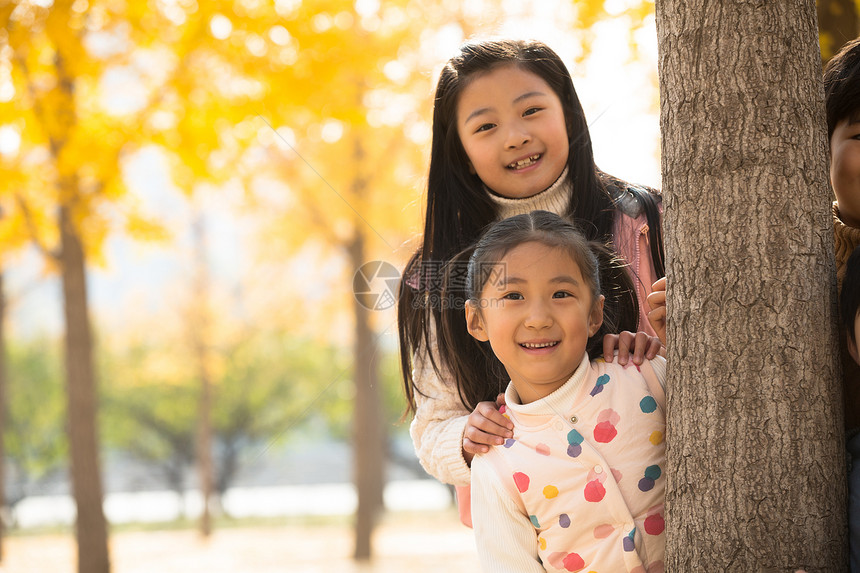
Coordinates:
<point>69,171</point>
<point>35,443</point>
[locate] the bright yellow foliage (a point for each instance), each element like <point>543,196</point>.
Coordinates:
<point>69,145</point>
<point>319,109</point>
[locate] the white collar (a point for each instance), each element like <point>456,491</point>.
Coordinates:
<point>554,198</point>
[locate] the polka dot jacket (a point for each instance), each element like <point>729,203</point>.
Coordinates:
<point>580,486</point>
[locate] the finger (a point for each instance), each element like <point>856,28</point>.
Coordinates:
<point>657,314</point>
<point>500,400</point>
<point>625,339</point>
<point>610,342</point>
<point>654,346</point>
<point>490,420</point>
<point>659,284</point>
<point>480,437</point>
<point>658,323</point>
<point>473,448</point>
<point>656,298</point>
<point>657,319</point>
<point>640,345</point>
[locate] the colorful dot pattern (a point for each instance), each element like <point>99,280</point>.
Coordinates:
<point>599,384</point>
<point>598,483</point>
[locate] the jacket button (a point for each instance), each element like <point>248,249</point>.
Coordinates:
<point>573,419</point>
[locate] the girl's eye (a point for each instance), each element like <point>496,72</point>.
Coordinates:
<point>485,127</point>
<point>561,294</point>
<point>513,296</point>
<point>531,111</point>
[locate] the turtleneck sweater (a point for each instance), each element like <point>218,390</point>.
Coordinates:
<point>553,199</point>
<point>556,198</point>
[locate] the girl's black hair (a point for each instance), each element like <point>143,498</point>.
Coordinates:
<point>459,207</point>
<point>476,371</point>
<point>842,85</point>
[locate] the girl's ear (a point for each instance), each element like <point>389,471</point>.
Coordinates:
<point>595,319</point>
<point>471,168</point>
<point>474,322</point>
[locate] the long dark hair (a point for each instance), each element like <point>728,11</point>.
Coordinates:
<point>459,208</point>
<point>842,85</point>
<point>477,373</point>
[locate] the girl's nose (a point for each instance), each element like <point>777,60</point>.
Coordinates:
<point>517,137</point>
<point>538,316</point>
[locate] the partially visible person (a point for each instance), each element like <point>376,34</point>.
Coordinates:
<point>842,103</point>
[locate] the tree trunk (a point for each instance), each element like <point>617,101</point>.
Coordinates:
<point>367,427</point>
<point>3,409</point>
<point>204,450</point>
<point>756,471</point>
<point>838,22</point>
<point>90,525</point>
<point>201,334</point>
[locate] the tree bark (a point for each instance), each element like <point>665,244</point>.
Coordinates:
<point>838,22</point>
<point>90,525</point>
<point>369,442</point>
<point>368,433</point>
<point>756,472</point>
<point>200,334</point>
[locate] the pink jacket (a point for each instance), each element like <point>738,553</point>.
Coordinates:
<point>631,242</point>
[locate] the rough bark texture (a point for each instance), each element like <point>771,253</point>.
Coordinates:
<point>838,22</point>
<point>368,439</point>
<point>90,525</point>
<point>756,473</point>
<point>200,335</point>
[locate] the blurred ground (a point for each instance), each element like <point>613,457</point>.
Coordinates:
<point>414,542</point>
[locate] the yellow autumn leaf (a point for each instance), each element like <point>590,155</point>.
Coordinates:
<point>145,229</point>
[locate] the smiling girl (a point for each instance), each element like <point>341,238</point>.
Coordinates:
<point>580,484</point>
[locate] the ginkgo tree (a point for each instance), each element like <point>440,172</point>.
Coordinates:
<point>85,85</point>
<point>69,162</point>
<point>67,195</point>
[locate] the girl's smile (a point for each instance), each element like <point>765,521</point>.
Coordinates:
<point>511,125</point>
<point>539,345</point>
<point>524,163</point>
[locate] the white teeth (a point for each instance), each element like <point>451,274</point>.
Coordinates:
<point>524,162</point>
<point>538,344</point>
